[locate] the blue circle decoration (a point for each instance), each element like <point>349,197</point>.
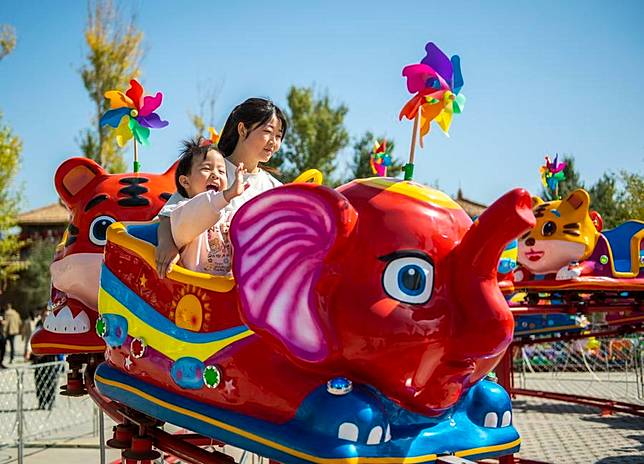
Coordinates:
<point>339,386</point>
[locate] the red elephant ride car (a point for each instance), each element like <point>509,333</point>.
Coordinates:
<point>360,325</point>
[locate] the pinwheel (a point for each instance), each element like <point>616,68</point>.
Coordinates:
<point>212,139</point>
<point>551,174</point>
<point>381,158</point>
<point>436,82</point>
<point>132,114</point>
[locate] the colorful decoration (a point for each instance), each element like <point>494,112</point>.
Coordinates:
<point>137,347</point>
<point>552,172</point>
<point>212,376</point>
<point>212,139</point>
<point>380,158</point>
<point>132,114</point>
<point>436,82</point>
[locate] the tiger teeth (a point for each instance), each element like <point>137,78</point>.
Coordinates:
<point>64,322</point>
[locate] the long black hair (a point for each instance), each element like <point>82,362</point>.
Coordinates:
<point>254,113</point>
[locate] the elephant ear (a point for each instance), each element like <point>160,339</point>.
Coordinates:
<point>283,240</point>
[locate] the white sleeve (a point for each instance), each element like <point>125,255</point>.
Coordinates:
<point>193,217</point>
<point>171,204</point>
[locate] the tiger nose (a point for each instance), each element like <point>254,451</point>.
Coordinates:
<point>529,242</point>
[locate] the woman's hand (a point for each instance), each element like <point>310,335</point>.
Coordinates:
<point>166,253</point>
<point>238,186</point>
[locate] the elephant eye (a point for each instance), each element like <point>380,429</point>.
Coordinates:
<point>410,278</point>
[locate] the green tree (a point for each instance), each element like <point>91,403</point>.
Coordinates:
<point>618,198</point>
<point>7,40</point>
<point>572,182</point>
<point>10,243</point>
<point>315,137</point>
<point>362,149</point>
<point>33,287</point>
<point>113,58</point>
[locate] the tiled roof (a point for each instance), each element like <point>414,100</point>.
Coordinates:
<point>54,214</point>
<point>472,208</point>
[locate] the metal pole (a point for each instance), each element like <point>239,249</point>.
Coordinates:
<point>20,387</point>
<point>101,434</point>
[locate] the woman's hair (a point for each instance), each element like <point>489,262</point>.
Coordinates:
<point>254,112</point>
<point>191,149</point>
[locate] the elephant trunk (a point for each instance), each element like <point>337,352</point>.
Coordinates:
<point>483,324</point>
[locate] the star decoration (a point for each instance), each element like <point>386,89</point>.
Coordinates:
<point>143,281</point>
<point>128,363</point>
<point>229,386</point>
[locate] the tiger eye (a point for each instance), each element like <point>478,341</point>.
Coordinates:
<point>549,228</point>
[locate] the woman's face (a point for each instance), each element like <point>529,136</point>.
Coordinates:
<point>263,140</point>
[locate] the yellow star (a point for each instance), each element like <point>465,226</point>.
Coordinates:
<point>143,280</point>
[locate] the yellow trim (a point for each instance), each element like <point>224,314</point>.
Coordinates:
<point>162,342</point>
<point>312,176</point>
<point>117,234</point>
<point>488,449</point>
<point>292,452</point>
<point>259,439</point>
<point>635,256</point>
<point>71,347</point>
<point>411,189</point>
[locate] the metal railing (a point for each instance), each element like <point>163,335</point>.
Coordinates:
<point>32,410</point>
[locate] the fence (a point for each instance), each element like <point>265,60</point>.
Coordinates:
<point>32,410</point>
<point>610,367</point>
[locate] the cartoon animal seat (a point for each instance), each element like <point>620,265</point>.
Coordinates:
<point>330,344</point>
<point>567,250</point>
<point>95,200</point>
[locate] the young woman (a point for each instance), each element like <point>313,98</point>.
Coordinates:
<point>252,134</point>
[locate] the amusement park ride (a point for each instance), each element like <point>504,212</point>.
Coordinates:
<point>330,344</point>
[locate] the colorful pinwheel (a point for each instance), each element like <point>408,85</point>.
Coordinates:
<point>551,174</point>
<point>132,114</point>
<point>212,139</point>
<point>381,158</point>
<point>436,82</point>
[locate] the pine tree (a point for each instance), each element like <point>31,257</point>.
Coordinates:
<point>112,61</point>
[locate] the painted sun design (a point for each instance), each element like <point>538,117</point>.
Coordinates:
<point>190,308</point>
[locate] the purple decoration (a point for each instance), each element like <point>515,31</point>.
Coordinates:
<point>152,121</point>
<point>437,60</point>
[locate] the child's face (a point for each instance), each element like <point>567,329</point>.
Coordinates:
<point>208,173</point>
<point>265,140</point>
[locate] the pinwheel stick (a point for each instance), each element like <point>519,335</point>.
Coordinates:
<point>409,167</point>
<point>137,165</point>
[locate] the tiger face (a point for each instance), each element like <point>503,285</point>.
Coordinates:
<point>564,233</point>
<point>95,200</point>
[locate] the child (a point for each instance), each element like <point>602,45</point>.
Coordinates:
<point>252,134</point>
<point>199,225</point>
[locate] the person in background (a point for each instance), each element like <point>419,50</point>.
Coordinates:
<point>12,328</point>
<point>46,373</point>
<point>26,330</point>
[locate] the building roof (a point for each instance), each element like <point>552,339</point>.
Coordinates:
<point>472,208</point>
<point>54,214</point>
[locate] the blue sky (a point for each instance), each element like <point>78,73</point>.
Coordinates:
<point>540,77</point>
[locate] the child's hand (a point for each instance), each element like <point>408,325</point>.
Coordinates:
<point>166,253</point>
<point>238,186</point>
